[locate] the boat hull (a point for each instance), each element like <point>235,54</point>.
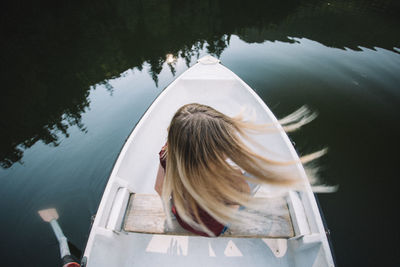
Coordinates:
<point>209,83</point>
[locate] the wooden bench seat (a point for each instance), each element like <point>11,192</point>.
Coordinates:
<point>145,214</point>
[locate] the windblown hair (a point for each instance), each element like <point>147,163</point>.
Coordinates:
<point>200,140</point>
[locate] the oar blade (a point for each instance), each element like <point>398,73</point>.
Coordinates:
<point>48,214</point>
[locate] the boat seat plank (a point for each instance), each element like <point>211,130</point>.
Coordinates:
<point>145,214</point>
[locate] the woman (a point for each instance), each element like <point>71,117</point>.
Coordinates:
<point>206,168</point>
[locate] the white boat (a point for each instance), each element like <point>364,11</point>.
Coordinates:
<point>207,82</point>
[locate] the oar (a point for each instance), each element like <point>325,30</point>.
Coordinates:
<point>51,216</point>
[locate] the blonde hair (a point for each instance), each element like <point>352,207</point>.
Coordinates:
<point>200,140</point>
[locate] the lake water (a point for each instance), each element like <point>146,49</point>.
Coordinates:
<point>76,80</point>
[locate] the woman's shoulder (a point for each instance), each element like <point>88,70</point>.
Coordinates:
<point>163,156</point>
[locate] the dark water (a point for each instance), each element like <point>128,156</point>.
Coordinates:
<point>75,79</point>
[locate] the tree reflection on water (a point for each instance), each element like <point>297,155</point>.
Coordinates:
<point>53,54</point>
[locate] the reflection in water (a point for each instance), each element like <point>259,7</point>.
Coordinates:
<point>54,54</point>
<point>170,58</point>
<point>171,61</point>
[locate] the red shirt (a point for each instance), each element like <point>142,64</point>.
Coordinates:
<point>212,224</point>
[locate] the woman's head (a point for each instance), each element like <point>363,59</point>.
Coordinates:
<point>200,135</point>
<point>200,141</point>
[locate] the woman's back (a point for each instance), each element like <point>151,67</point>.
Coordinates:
<point>213,225</point>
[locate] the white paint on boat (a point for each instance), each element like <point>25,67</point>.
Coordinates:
<point>232,250</point>
<point>210,83</point>
<point>278,246</point>
<point>211,252</point>
<point>168,244</point>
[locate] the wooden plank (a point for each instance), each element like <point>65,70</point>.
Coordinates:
<point>277,221</point>
<point>145,214</point>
